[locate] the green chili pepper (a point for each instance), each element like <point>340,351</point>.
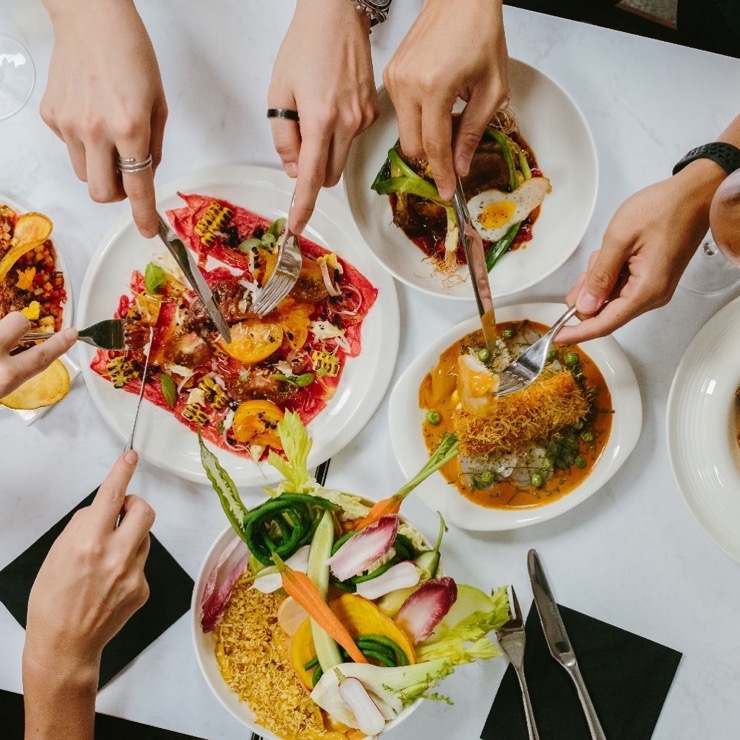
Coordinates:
<point>506,146</point>
<point>497,250</point>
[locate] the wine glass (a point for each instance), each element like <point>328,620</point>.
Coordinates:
<point>17,76</point>
<point>714,267</point>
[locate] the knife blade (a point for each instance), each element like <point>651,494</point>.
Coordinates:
<point>186,262</point>
<point>476,257</point>
<point>557,639</point>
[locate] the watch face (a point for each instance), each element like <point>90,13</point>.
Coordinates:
<point>379,4</point>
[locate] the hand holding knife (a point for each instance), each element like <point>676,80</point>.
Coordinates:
<point>186,262</point>
<point>558,640</point>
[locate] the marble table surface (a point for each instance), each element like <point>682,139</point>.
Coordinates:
<point>632,554</point>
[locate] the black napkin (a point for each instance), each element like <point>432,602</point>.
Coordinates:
<point>106,727</point>
<point>170,586</point>
<point>627,677</point>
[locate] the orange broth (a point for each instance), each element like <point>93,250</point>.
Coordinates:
<point>438,391</point>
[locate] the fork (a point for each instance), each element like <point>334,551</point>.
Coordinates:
<point>106,334</point>
<point>527,367</point>
<point>512,638</point>
<point>284,275</point>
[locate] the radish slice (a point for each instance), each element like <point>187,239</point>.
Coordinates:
<point>220,583</point>
<point>401,575</point>
<point>269,580</point>
<point>331,288</point>
<point>361,550</point>
<point>290,616</point>
<point>426,607</point>
<point>369,718</point>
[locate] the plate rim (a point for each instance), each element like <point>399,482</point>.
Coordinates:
<point>496,520</point>
<point>253,474</point>
<point>693,499</point>
<point>439,292</point>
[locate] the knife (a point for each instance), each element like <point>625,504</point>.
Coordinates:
<point>558,640</point>
<point>186,262</point>
<point>476,257</point>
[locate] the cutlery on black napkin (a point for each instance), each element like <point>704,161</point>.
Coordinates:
<point>628,677</point>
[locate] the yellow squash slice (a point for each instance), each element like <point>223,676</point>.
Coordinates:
<point>31,230</point>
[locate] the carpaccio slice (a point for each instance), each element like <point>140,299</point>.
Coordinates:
<point>219,385</point>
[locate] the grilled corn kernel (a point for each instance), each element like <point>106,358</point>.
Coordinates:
<point>195,413</point>
<point>214,392</point>
<point>213,220</point>
<point>325,363</point>
<point>121,371</point>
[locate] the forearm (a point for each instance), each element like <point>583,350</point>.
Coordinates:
<point>59,702</point>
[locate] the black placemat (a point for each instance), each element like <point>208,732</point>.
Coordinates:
<point>170,586</point>
<point>106,727</point>
<point>627,676</point>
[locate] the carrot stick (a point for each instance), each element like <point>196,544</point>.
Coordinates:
<point>301,588</point>
<point>387,506</point>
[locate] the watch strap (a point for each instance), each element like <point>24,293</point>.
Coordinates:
<point>725,155</point>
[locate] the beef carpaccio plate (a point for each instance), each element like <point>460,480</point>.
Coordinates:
<point>289,360</point>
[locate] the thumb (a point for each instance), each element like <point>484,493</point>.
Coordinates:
<point>601,277</point>
<point>473,121</point>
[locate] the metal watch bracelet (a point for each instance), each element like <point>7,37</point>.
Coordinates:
<point>376,10</point>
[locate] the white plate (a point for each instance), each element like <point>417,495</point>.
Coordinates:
<point>700,428</point>
<point>162,439</point>
<point>405,418</point>
<point>205,648</point>
<point>31,415</point>
<point>554,127</point>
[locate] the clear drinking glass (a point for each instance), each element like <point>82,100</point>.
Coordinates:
<point>17,76</point>
<point>714,267</point>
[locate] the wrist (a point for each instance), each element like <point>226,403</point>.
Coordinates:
<point>58,10</point>
<point>699,180</point>
<point>51,669</point>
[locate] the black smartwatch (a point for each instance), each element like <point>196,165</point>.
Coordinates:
<point>725,155</point>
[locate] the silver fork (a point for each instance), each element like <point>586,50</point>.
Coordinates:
<point>106,334</point>
<point>285,274</point>
<point>512,639</point>
<point>528,366</point>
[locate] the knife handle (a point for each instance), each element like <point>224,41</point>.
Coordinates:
<point>594,725</point>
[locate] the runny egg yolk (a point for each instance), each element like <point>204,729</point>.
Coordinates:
<point>496,215</point>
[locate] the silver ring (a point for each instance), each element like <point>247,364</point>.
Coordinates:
<point>129,165</point>
<point>288,113</point>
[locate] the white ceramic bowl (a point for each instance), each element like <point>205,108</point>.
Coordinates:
<point>406,418</point>
<point>205,647</point>
<point>554,127</point>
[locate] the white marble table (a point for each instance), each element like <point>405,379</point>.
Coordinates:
<point>631,555</point>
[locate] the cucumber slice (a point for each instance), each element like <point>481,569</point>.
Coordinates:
<point>318,571</point>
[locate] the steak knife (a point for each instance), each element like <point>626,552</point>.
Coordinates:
<point>558,640</point>
<point>476,257</point>
<point>186,262</point>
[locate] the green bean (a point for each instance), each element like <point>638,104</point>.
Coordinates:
<point>498,249</point>
<point>384,659</point>
<point>291,515</point>
<point>316,677</point>
<point>311,664</point>
<point>383,640</point>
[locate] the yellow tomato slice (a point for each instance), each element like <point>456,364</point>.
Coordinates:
<point>255,423</point>
<point>253,340</point>
<point>295,319</point>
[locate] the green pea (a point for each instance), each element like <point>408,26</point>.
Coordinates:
<point>536,480</point>
<point>580,462</point>
<point>571,358</point>
<point>433,417</point>
<point>303,380</point>
<point>509,333</point>
<point>587,436</point>
<point>484,355</point>
<point>551,355</point>
<point>487,478</point>
<point>578,425</point>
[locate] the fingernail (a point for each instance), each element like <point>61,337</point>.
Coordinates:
<point>588,303</point>
<point>70,334</point>
<point>130,457</point>
<point>291,169</point>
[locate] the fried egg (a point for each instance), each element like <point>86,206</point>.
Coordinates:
<point>494,211</point>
